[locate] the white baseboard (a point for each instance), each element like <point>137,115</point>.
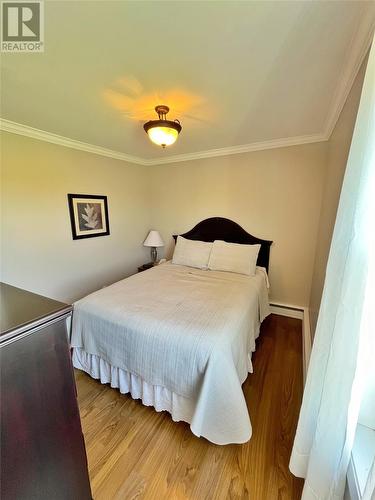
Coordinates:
<point>287,310</point>
<point>302,313</point>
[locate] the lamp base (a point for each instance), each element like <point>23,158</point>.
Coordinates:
<point>154,254</point>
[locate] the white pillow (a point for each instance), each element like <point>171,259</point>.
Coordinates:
<point>233,257</point>
<point>191,253</point>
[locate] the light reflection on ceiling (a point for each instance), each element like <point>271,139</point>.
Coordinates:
<point>128,96</point>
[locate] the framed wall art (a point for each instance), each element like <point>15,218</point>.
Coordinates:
<point>88,215</point>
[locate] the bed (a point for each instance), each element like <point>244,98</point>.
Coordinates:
<point>180,338</point>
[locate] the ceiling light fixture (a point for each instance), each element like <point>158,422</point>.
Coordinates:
<point>162,132</point>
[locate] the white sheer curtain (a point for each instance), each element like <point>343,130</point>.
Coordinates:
<point>336,376</point>
<point>369,493</point>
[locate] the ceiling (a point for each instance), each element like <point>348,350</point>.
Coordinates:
<point>236,74</point>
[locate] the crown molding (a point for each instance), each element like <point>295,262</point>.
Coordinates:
<point>359,46</point>
<point>243,148</point>
<point>41,135</point>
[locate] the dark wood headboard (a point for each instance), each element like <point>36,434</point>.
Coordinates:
<point>219,228</point>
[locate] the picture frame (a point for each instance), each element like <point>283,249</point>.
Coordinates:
<point>88,215</point>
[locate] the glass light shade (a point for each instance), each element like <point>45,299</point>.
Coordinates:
<point>162,136</point>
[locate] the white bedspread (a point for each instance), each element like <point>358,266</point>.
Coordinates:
<point>183,329</point>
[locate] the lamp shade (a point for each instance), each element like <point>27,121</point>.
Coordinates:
<point>153,240</point>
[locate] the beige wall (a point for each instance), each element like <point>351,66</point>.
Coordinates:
<point>38,252</point>
<point>338,150</point>
<point>273,194</point>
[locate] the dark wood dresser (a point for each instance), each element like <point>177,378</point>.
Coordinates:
<point>42,448</point>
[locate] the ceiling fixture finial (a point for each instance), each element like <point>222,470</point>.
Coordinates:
<point>162,132</point>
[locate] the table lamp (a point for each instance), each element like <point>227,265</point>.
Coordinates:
<point>153,240</point>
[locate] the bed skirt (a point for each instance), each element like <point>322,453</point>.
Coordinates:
<point>160,398</point>
<point>180,407</point>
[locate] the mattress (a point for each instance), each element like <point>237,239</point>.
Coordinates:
<point>178,331</point>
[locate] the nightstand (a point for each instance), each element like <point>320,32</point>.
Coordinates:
<point>144,267</point>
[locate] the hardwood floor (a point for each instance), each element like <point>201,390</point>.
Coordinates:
<point>135,452</point>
